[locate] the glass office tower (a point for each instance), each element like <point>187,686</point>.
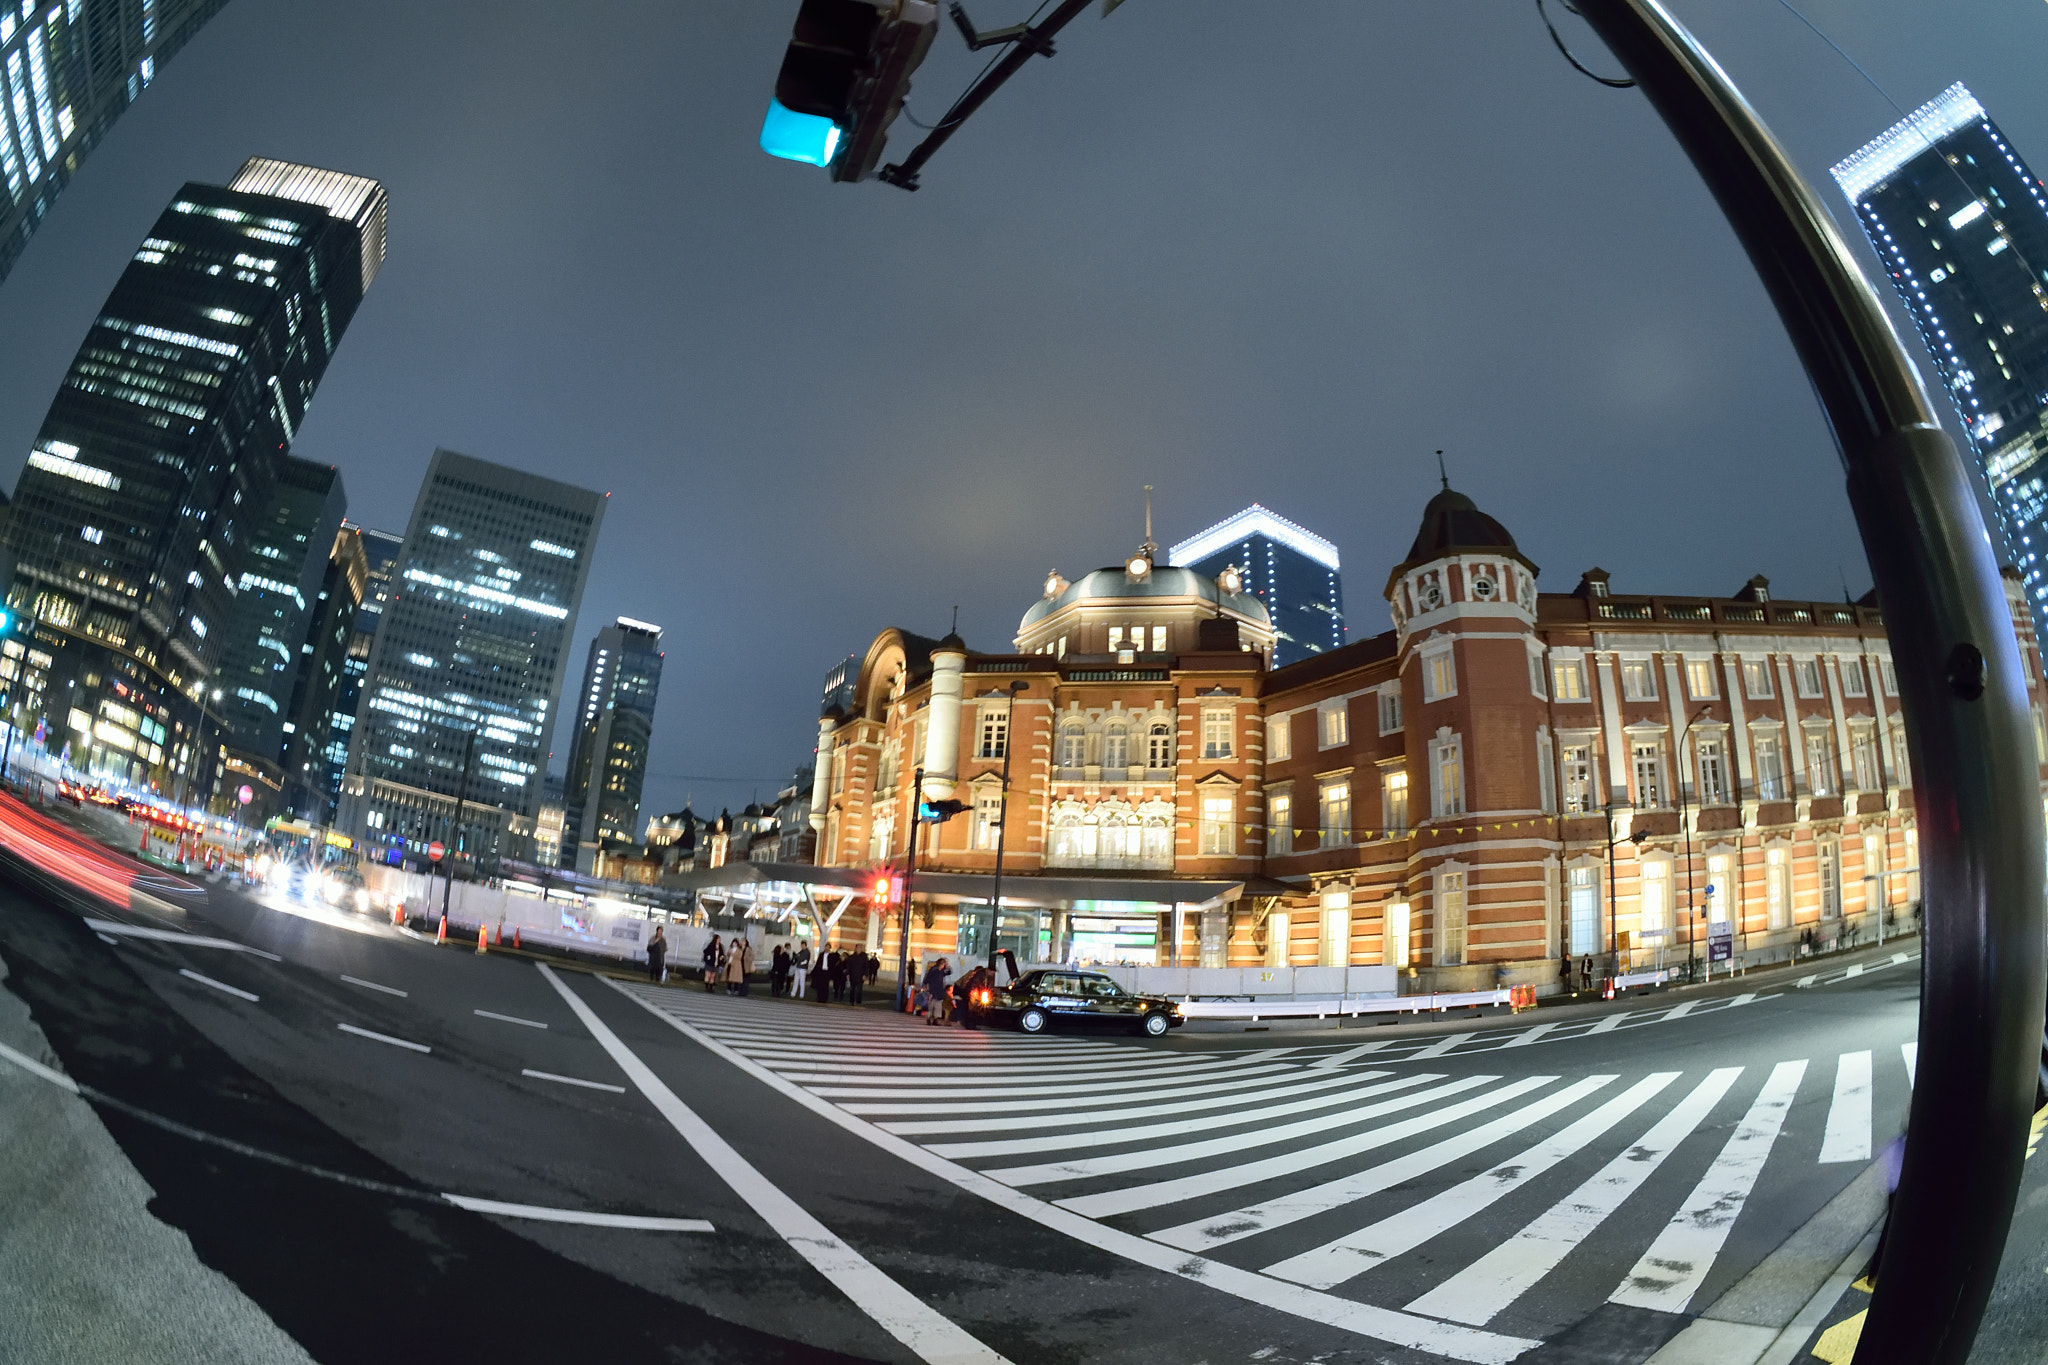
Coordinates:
<point>133,520</point>
<point>380,555</point>
<point>1961,226</point>
<point>1291,569</point>
<point>316,683</point>
<point>67,70</point>
<point>458,702</point>
<point>608,755</point>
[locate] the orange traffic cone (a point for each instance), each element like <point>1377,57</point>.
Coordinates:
<point>515,936</point>
<point>442,935</point>
<point>483,939</point>
<point>501,933</point>
<point>398,915</point>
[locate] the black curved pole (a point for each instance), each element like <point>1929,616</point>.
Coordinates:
<point>1975,785</point>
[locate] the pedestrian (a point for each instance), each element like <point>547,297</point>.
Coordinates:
<point>736,965</point>
<point>711,965</point>
<point>778,970</point>
<point>856,976</point>
<point>935,988</point>
<point>657,957</point>
<point>828,974</point>
<point>1586,972</point>
<point>800,970</point>
<point>1564,969</point>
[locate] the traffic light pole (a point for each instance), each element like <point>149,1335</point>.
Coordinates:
<point>909,875</point>
<point>1976,789</point>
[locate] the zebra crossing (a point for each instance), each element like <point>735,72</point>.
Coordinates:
<point>1812,979</point>
<point>1441,1205</point>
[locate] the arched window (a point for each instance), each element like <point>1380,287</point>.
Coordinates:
<point>1159,746</point>
<point>1073,745</point>
<point>1117,836</point>
<point>1116,747</point>
<point>1067,842</point>
<point>1155,834</point>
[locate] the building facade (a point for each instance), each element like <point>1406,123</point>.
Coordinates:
<point>133,521</point>
<point>608,750</point>
<point>459,699</point>
<point>1291,569</point>
<point>69,70</point>
<point>317,680</point>
<point>380,556</point>
<point>1961,226</point>
<point>1504,778</point>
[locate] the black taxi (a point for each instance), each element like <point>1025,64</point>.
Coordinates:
<point>1062,994</point>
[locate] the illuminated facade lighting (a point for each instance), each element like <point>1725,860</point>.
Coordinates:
<point>1288,567</point>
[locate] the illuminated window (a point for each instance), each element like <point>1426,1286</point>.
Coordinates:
<point>1159,746</point>
<point>1439,676</point>
<point>1218,813</point>
<point>1638,680</point>
<point>1770,770</point>
<point>1700,681</point>
<point>1390,710</point>
<point>1450,910</point>
<point>1568,681</point>
<point>1333,722</point>
<point>1578,779</point>
<point>1713,773</point>
<point>1216,728</point>
<point>1806,675</point>
<point>1334,801</point>
<point>1279,739</point>
<point>1280,815</point>
<point>1756,678</point>
<point>1447,776</point>
<point>1649,766</point>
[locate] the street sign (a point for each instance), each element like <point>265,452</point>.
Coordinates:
<point>245,794</point>
<point>1720,941</point>
<point>434,851</point>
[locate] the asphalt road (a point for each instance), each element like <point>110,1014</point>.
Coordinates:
<point>706,1178</point>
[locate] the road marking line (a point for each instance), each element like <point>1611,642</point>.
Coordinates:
<point>571,1080</point>
<point>1530,1035</point>
<point>109,938</point>
<point>1380,1324</point>
<point>36,1068</point>
<point>1216,1090</point>
<point>1671,1271</point>
<point>1911,1052</point>
<point>1374,1245</point>
<point>1440,1047</point>
<point>1093,1089</point>
<point>1803,982</point>
<point>218,985</point>
<point>1118,1132</point>
<point>1481,1291</point>
<point>1848,1130</point>
<point>1897,958</point>
<point>1855,972</point>
<point>509,1018</point>
<point>1679,1011</point>
<point>596,1220</point>
<point>382,1038</point>
<point>1349,1189</point>
<point>1148,1196</point>
<point>1007,1121</point>
<point>1742,999</point>
<point>1350,1054</point>
<point>371,985</point>
<point>1135,1197</point>
<point>902,1314</point>
<point>1607,1025</point>
<point>108,926</point>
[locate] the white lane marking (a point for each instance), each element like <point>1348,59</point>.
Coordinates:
<point>1479,1292</point>
<point>1671,1271</point>
<point>1848,1131</point>
<point>1380,1242</point>
<point>1349,1189</point>
<point>1380,1324</point>
<point>1005,1089</point>
<point>1441,1046</point>
<point>1607,1025</point>
<point>634,1221</point>
<point>1911,1052</point>
<point>508,1018</point>
<point>943,1080</point>
<point>1742,999</point>
<point>108,926</point>
<point>382,1038</point>
<point>1530,1035</point>
<point>1803,982</point>
<point>1119,1132</point>
<point>1136,1197</point>
<point>373,986</point>
<point>36,1068</point>
<point>1349,1054</point>
<point>109,938</point>
<point>1680,1010</point>
<point>218,985</point>
<point>1008,1121</point>
<point>571,1080</point>
<point>1855,972</point>
<point>1083,1168</point>
<point>928,1334</point>
<point>1238,1080</point>
<point>1897,958</point>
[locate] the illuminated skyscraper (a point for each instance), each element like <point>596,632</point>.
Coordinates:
<point>136,516</point>
<point>608,755</point>
<point>458,703</point>
<point>1961,226</point>
<point>68,68</point>
<point>380,556</point>
<point>1291,569</point>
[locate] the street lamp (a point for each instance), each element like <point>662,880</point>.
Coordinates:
<point>995,898</point>
<point>1692,951</point>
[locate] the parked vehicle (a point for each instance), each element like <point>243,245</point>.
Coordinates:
<point>1062,995</point>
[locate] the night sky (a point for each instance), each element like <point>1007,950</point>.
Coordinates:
<point>1276,261</point>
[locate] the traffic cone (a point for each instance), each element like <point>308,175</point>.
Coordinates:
<point>501,933</point>
<point>442,935</point>
<point>483,939</point>
<point>398,915</point>
<point>515,936</point>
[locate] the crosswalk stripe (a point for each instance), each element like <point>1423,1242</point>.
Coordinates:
<point>1479,1292</point>
<point>1911,1052</point>
<point>1132,1198</point>
<point>1680,1010</point>
<point>1530,1035</point>
<point>1085,1168</point>
<point>1609,1024</point>
<point>1354,1254</point>
<point>1803,982</point>
<point>1008,1120</point>
<point>1855,972</point>
<point>1848,1131</point>
<point>1742,999</point>
<point>988,1090</point>
<point>1349,1054</point>
<point>1347,1189</point>
<point>977,1073</point>
<point>1441,1046</point>
<point>1671,1271</point>
<point>1007,1103</point>
<point>1122,1132</point>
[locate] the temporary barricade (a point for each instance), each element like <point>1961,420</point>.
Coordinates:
<point>1342,1008</point>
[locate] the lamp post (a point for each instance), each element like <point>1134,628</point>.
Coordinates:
<point>455,831</point>
<point>1692,950</point>
<point>995,898</point>
<point>909,875</point>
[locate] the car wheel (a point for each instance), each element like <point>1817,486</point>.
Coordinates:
<point>1032,1021</point>
<point>1156,1025</point>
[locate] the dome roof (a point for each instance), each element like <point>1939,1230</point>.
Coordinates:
<point>1453,525</point>
<point>1112,584</point>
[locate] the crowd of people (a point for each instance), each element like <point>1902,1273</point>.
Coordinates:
<point>830,976</point>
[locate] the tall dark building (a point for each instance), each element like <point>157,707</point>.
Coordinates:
<point>134,519</point>
<point>68,71</point>
<point>1961,226</point>
<point>380,556</point>
<point>316,683</point>
<point>1291,569</point>
<point>608,753</point>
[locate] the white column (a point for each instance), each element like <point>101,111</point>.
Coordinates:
<point>942,731</point>
<point>1610,721</point>
<point>821,775</point>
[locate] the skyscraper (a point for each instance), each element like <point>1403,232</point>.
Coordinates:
<point>1961,226</point>
<point>69,70</point>
<point>133,519</point>
<point>316,682</point>
<point>458,702</point>
<point>608,755</point>
<point>1291,569</point>
<point>380,555</point>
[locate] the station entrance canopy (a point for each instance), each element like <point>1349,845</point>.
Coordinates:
<point>793,881</point>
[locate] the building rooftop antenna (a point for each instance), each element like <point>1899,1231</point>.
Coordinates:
<point>1440,472</point>
<point>1151,550</point>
